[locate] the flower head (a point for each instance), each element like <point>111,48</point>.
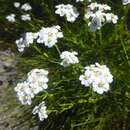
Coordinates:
<point>16,4</point>
<point>25,41</point>
<point>68,10</point>
<point>68,58</point>
<point>49,36</point>
<point>98,15</point>
<point>98,76</point>
<point>36,82</point>
<point>25,17</point>
<point>41,110</point>
<point>11,18</point>
<point>125,2</point>
<point>26,7</point>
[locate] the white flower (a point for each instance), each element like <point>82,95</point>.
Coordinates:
<point>36,82</point>
<point>100,87</point>
<point>98,15</point>
<point>68,10</point>
<point>26,7</point>
<point>98,77</point>
<point>111,18</point>
<point>82,0</point>
<point>24,93</point>
<point>11,18</point>
<point>25,17</point>
<point>79,0</point>
<point>16,4</point>
<point>48,36</point>
<point>68,58</point>
<point>41,110</point>
<point>25,41</point>
<point>37,79</point>
<point>125,2</point>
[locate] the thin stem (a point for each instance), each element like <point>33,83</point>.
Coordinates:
<point>37,49</point>
<point>124,49</point>
<point>57,48</point>
<point>100,37</point>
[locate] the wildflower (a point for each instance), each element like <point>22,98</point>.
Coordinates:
<point>26,17</point>
<point>68,58</point>
<point>25,41</point>
<point>24,93</point>
<point>48,36</point>
<point>98,15</point>
<point>82,0</point>
<point>98,77</point>
<point>26,7</point>
<point>125,2</point>
<point>36,82</point>
<point>11,18</point>
<point>41,110</point>
<point>68,10</point>
<point>16,4</point>
<point>37,79</point>
<point>79,0</point>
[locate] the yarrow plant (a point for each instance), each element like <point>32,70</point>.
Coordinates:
<point>41,110</point>
<point>24,17</point>
<point>47,36</point>
<point>26,7</point>
<point>98,76</point>
<point>25,41</point>
<point>68,10</point>
<point>11,18</point>
<point>76,65</point>
<point>98,15</point>
<point>125,2</point>
<point>17,4</point>
<point>68,58</point>
<point>36,82</point>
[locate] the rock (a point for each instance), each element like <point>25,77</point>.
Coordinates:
<point>7,67</point>
<point>12,115</point>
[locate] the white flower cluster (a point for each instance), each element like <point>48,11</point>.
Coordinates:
<point>79,0</point>
<point>125,2</point>
<point>68,58</point>
<point>98,76</point>
<point>82,0</point>
<point>26,7</point>
<point>47,36</point>
<point>36,82</point>
<point>41,110</point>
<point>24,17</point>
<point>11,18</point>
<point>98,15</point>
<point>17,4</point>
<point>25,41</point>
<point>68,10</point>
<point>24,93</point>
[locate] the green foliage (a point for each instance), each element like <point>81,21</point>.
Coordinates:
<point>70,105</point>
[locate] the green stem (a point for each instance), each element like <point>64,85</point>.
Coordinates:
<point>37,49</point>
<point>100,37</point>
<point>124,49</point>
<point>57,48</point>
